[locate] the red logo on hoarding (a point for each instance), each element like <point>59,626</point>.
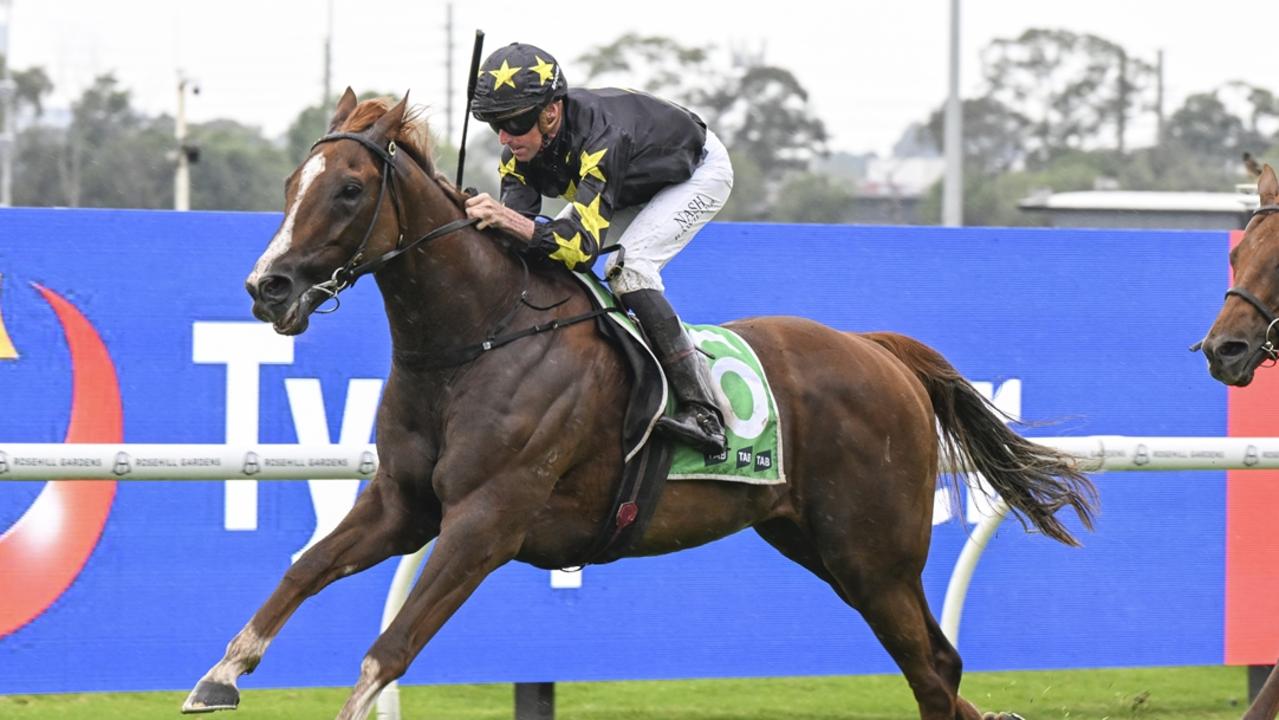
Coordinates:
<point>45,550</point>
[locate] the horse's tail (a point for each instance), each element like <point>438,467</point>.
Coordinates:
<point>1036,481</point>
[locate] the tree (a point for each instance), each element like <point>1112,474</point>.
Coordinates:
<point>1171,167</point>
<point>31,87</point>
<point>1205,138</point>
<point>1073,88</point>
<point>310,125</point>
<point>750,200</point>
<point>238,168</point>
<point>1256,107</point>
<point>33,143</point>
<point>657,65</point>
<point>766,117</point>
<point>760,111</point>
<point>993,135</point>
<point>1204,127</point>
<point>114,157</point>
<point>38,167</point>
<point>108,156</point>
<point>812,198</point>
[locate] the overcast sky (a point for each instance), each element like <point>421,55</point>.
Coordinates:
<point>871,67</point>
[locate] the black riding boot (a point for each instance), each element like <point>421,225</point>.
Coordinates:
<point>696,418</point>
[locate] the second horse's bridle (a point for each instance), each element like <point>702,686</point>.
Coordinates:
<point>1267,347</point>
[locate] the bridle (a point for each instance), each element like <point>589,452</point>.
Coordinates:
<point>1268,347</point>
<point>353,269</point>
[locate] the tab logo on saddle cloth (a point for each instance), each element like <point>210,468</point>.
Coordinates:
<point>745,399</point>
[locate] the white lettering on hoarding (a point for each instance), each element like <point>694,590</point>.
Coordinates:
<point>331,499</point>
<point>244,348</point>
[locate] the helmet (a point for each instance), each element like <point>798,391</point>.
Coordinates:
<point>515,80</point>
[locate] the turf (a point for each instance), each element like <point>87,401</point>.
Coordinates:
<point>1198,693</point>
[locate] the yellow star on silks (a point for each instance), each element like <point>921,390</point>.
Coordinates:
<point>570,192</point>
<point>591,164</point>
<point>502,76</point>
<point>508,168</point>
<point>545,71</point>
<point>570,252</point>
<point>592,221</point>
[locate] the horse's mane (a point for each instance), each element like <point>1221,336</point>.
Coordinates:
<point>413,136</point>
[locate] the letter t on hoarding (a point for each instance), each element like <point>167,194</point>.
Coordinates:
<point>243,347</point>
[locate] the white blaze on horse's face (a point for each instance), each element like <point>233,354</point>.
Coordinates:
<point>283,239</point>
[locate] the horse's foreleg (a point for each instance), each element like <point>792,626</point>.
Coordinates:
<point>375,529</point>
<point>471,545</point>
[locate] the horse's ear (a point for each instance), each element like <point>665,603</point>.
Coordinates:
<point>345,105</point>
<point>1267,185</point>
<point>389,123</point>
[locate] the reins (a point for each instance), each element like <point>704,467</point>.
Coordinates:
<point>353,269</point>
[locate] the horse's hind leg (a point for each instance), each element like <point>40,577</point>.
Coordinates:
<point>376,528</point>
<point>897,612</point>
<point>948,664</point>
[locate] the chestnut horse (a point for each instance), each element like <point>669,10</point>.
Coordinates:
<point>1243,336</point>
<point>515,454</point>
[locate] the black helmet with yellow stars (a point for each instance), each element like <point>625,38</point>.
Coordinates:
<point>515,83</point>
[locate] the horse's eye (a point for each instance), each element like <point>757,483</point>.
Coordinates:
<point>350,191</point>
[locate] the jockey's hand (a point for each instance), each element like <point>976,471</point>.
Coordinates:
<point>494,214</point>
<point>486,209</point>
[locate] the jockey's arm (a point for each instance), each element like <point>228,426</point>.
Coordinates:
<point>573,239</point>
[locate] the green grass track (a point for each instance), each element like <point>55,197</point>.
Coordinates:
<point>1193,693</point>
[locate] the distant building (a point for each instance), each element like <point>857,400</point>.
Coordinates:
<point>894,187</point>
<point>1146,209</point>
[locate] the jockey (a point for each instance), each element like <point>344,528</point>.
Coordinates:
<point>628,164</point>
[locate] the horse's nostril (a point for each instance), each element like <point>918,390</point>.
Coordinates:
<point>274,288</point>
<point>1232,348</point>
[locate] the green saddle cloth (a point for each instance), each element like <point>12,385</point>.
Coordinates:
<point>744,397</point>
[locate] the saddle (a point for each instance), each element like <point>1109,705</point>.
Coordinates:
<point>651,458</point>
<point>647,454</point>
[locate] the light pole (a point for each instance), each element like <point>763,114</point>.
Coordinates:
<point>185,153</point>
<point>8,88</point>
<point>953,185</point>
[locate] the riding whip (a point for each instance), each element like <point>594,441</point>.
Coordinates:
<point>470,95</point>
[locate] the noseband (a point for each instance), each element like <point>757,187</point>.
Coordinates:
<point>350,271</point>
<point>1267,348</point>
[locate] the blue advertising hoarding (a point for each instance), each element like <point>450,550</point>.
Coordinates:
<point>1085,331</point>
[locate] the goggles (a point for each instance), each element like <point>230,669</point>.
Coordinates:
<point>518,124</point>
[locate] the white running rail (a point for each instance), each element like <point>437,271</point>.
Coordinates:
<point>168,462</point>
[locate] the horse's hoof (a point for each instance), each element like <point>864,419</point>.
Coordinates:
<point>209,696</point>
<point>1002,716</point>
